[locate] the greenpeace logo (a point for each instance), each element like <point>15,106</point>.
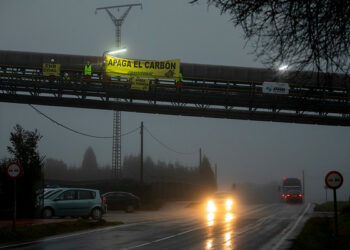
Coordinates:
<point>275,88</point>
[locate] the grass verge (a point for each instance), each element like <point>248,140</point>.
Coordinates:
<point>328,206</point>
<point>318,233</point>
<point>33,232</point>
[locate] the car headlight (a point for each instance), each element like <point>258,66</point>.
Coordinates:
<point>229,203</point>
<point>211,207</point>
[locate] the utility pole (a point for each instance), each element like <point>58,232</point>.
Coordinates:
<point>116,144</point>
<point>200,157</point>
<point>141,154</point>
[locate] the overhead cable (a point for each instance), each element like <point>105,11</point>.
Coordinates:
<point>131,131</point>
<point>166,146</point>
<point>76,131</point>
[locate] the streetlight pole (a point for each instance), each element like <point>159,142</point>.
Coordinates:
<point>116,146</point>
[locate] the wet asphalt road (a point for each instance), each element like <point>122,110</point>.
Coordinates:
<point>253,227</point>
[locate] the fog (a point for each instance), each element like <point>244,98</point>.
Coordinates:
<point>244,151</point>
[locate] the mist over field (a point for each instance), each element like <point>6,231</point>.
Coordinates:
<point>250,154</point>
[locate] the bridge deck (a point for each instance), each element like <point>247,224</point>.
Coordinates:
<point>203,98</point>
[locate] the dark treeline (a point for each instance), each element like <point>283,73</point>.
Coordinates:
<point>158,171</point>
<point>90,170</point>
<point>162,180</point>
<point>165,180</point>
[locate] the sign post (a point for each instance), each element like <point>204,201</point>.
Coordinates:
<point>334,180</point>
<point>14,170</point>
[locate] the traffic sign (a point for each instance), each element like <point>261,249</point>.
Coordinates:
<point>13,170</point>
<point>334,180</point>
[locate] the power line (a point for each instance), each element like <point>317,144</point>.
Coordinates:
<point>109,137</point>
<point>76,131</point>
<point>166,146</point>
<point>131,131</point>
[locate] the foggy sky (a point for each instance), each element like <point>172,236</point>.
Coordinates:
<point>245,151</point>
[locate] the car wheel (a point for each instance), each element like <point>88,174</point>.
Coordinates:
<point>96,214</point>
<point>47,213</point>
<point>129,209</point>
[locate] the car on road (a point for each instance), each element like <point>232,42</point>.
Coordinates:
<point>75,202</point>
<point>221,202</point>
<point>122,201</point>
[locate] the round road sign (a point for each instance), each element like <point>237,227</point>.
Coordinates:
<point>334,179</point>
<point>13,170</point>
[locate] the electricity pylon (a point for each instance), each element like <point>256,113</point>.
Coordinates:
<point>117,145</point>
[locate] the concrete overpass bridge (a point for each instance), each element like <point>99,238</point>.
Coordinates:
<point>207,91</point>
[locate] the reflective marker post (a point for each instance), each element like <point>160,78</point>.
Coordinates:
<point>334,180</point>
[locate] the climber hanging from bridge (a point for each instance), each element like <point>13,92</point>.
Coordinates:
<point>87,71</point>
<point>66,78</point>
<point>179,80</point>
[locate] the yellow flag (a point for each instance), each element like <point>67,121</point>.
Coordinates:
<point>51,69</point>
<point>140,84</point>
<point>168,69</point>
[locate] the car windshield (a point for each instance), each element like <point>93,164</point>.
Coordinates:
<point>51,193</point>
<point>46,192</point>
<point>291,182</point>
<point>221,195</point>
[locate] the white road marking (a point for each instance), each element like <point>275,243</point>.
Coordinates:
<point>71,235</point>
<point>254,226</point>
<point>165,238</point>
<point>254,210</point>
<point>257,209</point>
<point>279,243</point>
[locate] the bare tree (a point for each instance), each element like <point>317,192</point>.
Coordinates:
<point>305,34</point>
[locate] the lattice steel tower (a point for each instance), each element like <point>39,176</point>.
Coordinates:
<point>116,146</point>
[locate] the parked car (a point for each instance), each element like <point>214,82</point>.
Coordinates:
<point>122,201</point>
<point>75,202</point>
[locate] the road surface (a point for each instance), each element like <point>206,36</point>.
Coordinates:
<point>251,227</point>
